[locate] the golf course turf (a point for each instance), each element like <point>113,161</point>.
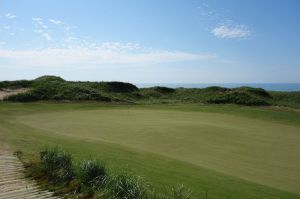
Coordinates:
<point>227,151</point>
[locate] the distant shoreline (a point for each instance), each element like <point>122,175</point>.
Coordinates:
<point>266,86</point>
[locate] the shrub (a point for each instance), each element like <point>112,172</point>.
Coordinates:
<point>15,84</point>
<point>126,186</point>
<point>255,91</point>
<point>92,173</point>
<point>163,90</point>
<point>157,91</point>
<point>47,78</point>
<point>119,87</point>
<point>28,96</point>
<point>214,89</point>
<point>58,91</point>
<point>235,97</point>
<point>57,165</point>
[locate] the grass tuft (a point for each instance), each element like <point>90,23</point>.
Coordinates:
<point>93,174</point>
<point>127,186</point>
<point>57,164</point>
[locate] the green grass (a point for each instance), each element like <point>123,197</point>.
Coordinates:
<point>228,151</point>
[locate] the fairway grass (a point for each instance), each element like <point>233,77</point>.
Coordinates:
<point>223,151</point>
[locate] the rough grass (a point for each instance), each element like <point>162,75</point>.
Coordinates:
<point>52,88</point>
<point>160,168</point>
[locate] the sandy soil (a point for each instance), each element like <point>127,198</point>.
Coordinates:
<point>6,92</point>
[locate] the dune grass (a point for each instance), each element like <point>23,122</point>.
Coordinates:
<point>222,154</point>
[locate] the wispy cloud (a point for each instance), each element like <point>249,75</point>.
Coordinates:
<point>56,22</point>
<point>6,27</point>
<point>66,48</point>
<point>96,55</point>
<point>47,36</point>
<point>231,31</point>
<point>226,28</point>
<point>36,19</point>
<point>10,16</point>
<point>41,28</point>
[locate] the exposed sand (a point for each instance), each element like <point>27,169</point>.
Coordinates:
<point>6,92</point>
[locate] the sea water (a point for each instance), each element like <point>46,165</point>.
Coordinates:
<point>266,86</point>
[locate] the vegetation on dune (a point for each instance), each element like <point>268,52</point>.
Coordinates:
<point>55,88</point>
<point>157,91</point>
<point>258,92</point>
<point>219,95</point>
<point>58,89</point>
<point>48,78</point>
<point>237,97</point>
<point>291,99</point>
<point>15,84</point>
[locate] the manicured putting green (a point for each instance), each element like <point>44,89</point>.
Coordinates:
<point>261,151</point>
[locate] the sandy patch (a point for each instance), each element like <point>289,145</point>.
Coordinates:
<point>6,92</point>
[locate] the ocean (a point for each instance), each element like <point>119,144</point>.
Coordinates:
<point>266,86</point>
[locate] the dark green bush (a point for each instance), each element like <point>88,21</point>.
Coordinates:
<point>28,96</point>
<point>214,89</point>
<point>163,90</point>
<point>93,174</point>
<point>119,87</point>
<point>15,84</point>
<point>57,165</point>
<point>235,97</point>
<point>255,91</point>
<point>157,91</point>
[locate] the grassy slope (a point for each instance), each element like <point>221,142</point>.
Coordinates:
<point>157,168</point>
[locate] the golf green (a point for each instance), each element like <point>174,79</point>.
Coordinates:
<point>261,151</point>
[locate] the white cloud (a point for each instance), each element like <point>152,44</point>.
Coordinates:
<point>96,55</point>
<point>67,28</point>
<point>38,31</point>
<point>41,28</point>
<point>47,36</point>
<point>36,19</point>
<point>117,46</point>
<point>231,31</point>
<point>56,22</point>
<point>6,27</point>
<point>10,16</point>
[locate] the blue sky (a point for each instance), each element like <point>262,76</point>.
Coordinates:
<point>143,41</point>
